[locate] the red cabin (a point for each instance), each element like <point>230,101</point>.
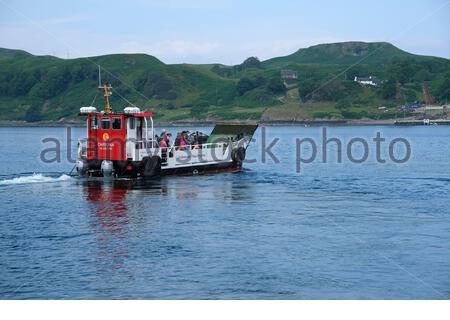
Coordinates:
<point>110,133</point>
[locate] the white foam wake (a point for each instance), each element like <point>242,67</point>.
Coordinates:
<point>35,178</point>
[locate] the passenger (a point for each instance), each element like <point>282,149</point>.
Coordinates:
<point>178,139</point>
<point>188,139</point>
<point>162,141</point>
<point>163,144</point>
<point>168,136</point>
<point>194,140</point>
<point>163,147</point>
<point>183,142</point>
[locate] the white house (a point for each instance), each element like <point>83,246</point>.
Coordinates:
<point>288,74</point>
<point>371,81</point>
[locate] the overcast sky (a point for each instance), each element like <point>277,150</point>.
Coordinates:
<point>225,31</point>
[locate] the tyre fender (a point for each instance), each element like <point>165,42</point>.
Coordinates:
<point>152,167</point>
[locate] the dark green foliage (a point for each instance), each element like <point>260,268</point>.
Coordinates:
<point>18,84</point>
<point>306,89</point>
<point>244,85</point>
<point>401,70</point>
<point>422,75</point>
<point>33,114</point>
<point>252,62</point>
<point>276,86</point>
<point>249,63</point>
<point>260,81</point>
<point>83,70</point>
<point>328,90</point>
<point>354,114</point>
<point>156,84</point>
<point>389,89</point>
<point>443,91</point>
<point>410,95</point>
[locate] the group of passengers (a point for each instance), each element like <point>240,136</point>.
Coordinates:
<point>185,140</point>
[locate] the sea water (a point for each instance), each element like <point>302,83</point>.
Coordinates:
<point>281,229</point>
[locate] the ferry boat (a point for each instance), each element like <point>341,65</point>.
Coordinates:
<point>126,144</point>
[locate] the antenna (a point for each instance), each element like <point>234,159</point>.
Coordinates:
<point>106,91</point>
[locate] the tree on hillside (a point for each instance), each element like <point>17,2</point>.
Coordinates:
<point>401,71</point>
<point>244,85</point>
<point>83,70</point>
<point>53,82</point>
<point>444,89</point>
<point>276,86</point>
<point>33,114</point>
<point>21,83</point>
<point>156,84</point>
<point>389,89</point>
<point>422,75</point>
<point>260,81</point>
<point>306,89</point>
<point>251,62</point>
<point>329,91</point>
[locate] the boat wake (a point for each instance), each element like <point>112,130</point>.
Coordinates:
<point>34,178</point>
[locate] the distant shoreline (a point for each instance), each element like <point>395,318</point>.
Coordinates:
<point>317,122</point>
<point>303,123</point>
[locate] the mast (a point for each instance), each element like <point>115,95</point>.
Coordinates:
<point>106,91</point>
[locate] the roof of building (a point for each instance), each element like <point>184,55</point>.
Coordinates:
<point>370,78</point>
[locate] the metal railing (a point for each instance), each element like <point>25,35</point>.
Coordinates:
<point>199,146</point>
<point>146,144</point>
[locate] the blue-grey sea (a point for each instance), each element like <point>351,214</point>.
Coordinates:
<point>281,229</point>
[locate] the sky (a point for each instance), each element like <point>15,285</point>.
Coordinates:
<point>218,31</point>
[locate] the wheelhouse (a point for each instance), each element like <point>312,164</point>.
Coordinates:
<point>118,136</point>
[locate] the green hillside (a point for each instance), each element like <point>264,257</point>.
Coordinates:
<point>35,88</point>
<point>48,88</point>
<point>342,53</point>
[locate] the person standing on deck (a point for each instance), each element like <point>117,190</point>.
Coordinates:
<point>183,142</point>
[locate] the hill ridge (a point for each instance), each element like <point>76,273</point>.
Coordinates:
<point>37,88</point>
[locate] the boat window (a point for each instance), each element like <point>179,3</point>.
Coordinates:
<point>132,123</point>
<point>117,123</point>
<point>105,123</point>
<point>94,123</point>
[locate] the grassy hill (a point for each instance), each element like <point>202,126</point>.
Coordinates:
<point>35,88</point>
<point>49,88</point>
<point>341,53</point>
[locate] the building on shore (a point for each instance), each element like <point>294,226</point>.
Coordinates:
<point>370,81</point>
<point>288,74</point>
